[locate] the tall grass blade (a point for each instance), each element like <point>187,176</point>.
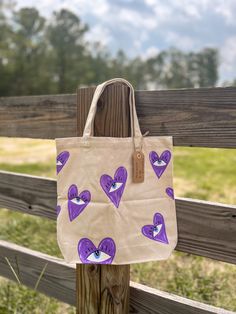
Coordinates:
<point>40,276</point>
<point>13,271</point>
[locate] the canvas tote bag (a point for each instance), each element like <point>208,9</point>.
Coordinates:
<point>103,216</point>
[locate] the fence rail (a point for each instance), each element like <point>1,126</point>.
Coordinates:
<point>58,281</point>
<point>202,117</point>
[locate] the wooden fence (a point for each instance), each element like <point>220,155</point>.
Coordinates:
<point>195,117</point>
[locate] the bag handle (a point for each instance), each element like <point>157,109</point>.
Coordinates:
<point>89,126</point>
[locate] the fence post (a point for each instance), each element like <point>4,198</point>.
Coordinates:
<point>104,289</point>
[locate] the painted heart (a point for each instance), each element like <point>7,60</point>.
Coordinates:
<point>157,231</point>
<point>114,188</point>
<point>77,203</point>
<point>90,254</point>
<point>170,193</point>
<point>58,209</point>
<point>61,160</point>
<point>159,164</point>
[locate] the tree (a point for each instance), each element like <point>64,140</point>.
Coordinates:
<point>208,67</point>
<point>27,53</point>
<point>67,50</point>
<point>175,69</point>
<point>5,32</point>
<point>39,56</point>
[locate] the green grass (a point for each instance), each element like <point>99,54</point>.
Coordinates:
<point>18,299</point>
<point>206,174</point>
<point>33,232</point>
<point>32,168</point>
<point>199,173</point>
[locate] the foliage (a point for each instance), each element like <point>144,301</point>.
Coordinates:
<point>176,69</point>
<point>43,56</point>
<point>67,49</point>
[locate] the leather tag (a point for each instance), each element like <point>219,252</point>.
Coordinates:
<point>138,167</point>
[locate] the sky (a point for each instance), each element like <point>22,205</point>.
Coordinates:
<point>145,27</point>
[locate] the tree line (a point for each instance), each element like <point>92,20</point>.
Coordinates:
<point>49,56</point>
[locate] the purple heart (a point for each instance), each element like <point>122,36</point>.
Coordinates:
<point>170,193</point>
<point>77,203</point>
<point>103,254</point>
<point>159,164</point>
<point>157,231</point>
<point>114,188</point>
<point>61,160</point>
<point>58,209</point>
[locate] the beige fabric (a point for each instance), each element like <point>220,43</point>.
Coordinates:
<point>90,158</point>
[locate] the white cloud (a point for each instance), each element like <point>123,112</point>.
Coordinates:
<point>228,59</point>
<point>181,41</point>
<point>150,2</point>
<point>176,10</point>
<point>136,19</point>
<point>99,33</point>
<point>192,8</point>
<point>98,8</point>
<point>226,9</point>
<point>150,52</point>
<point>138,41</point>
<point>161,10</point>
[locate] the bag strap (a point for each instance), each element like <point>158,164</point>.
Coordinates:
<point>89,126</point>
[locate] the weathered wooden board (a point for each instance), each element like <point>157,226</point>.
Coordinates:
<point>38,116</point>
<point>110,290</point>
<point>28,194</point>
<point>147,300</point>
<point>115,294</point>
<point>59,281</point>
<point>195,117</point>
<point>88,288</point>
<point>205,228</point>
<point>102,288</point>
<point>112,116</point>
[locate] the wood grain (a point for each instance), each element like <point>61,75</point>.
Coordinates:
<point>144,299</point>
<point>204,117</point>
<point>115,289</point>
<point>88,288</point>
<point>28,194</point>
<point>49,116</point>
<point>58,281</point>
<point>194,117</point>
<point>205,228</point>
<point>109,294</point>
<point>112,117</point>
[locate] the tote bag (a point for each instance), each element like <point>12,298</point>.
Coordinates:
<point>104,217</point>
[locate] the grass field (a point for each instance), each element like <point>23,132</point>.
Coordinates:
<point>199,173</point>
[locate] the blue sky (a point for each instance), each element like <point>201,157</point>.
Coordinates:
<point>145,27</point>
